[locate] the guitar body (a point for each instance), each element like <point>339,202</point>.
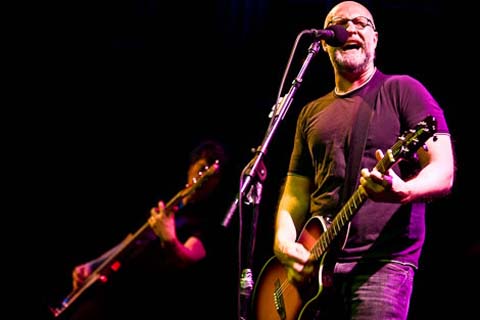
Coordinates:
<point>275,298</point>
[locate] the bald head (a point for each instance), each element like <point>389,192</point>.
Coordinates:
<point>348,9</point>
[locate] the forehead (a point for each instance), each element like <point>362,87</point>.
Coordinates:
<point>348,9</point>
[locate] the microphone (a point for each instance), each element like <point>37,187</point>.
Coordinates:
<point>334,36</point>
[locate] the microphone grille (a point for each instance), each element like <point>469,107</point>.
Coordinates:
<point>341,36</point>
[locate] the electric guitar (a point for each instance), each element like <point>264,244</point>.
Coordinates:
<point>274,297</point>
<point>131,244</point>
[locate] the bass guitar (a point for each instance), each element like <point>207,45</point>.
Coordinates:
<point>132,244</point>
<point>274,297</point>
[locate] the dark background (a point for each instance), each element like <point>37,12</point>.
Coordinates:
<point>114,95</point>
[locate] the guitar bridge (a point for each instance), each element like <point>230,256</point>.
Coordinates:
<point>278,300</point>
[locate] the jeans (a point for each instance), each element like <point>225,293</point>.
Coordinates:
<point>368,291</point>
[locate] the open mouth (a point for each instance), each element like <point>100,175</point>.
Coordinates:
<point>351,46</point>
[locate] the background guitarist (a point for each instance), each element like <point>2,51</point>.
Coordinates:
<point>373,274</point>
<point>179,262</point>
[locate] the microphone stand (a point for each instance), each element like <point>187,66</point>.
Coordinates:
<point>246,278</point>
<point>255,173</point>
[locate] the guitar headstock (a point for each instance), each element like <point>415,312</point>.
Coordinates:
<point>408,143</point>
<point>414,138</point>
<point>201,177</point>
<point>205,173</point>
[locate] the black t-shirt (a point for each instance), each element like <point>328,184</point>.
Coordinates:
<point>324,128</point>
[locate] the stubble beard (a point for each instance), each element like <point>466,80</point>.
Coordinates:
<point>351,63</point>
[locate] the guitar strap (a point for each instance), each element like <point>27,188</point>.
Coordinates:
<point>358,139</point>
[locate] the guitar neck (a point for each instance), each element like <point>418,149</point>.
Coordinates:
<point>128,247</point>
<point>141,237</point>
<point>338,223</point>
<point>135,242</point>
<point>353,204</point>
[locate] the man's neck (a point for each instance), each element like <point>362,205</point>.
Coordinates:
<point>345,86</point>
